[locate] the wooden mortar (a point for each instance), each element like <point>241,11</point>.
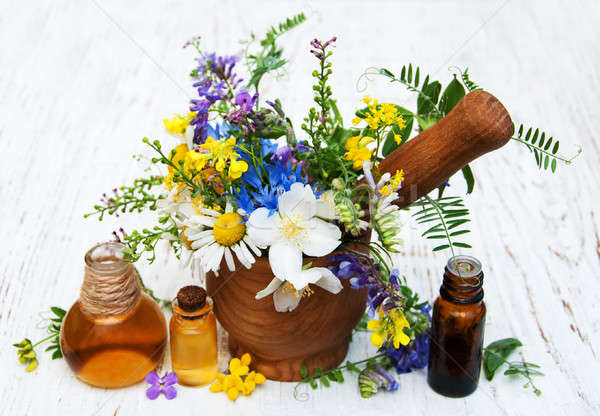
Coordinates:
<point>317,332</point>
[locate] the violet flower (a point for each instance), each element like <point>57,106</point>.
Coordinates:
<point>161,385</point>
<point>246,101</point>
<point>371,380</point>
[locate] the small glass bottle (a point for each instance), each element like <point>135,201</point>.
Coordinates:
<point>457,329</point>
<point>114,334</point>
<point>193,331</point>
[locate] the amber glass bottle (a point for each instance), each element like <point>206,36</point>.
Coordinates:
<point>457,329</point>
<point>114,334</point>
<point>193,331</point>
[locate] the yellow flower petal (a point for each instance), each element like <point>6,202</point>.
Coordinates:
<point>373,324</point>
<point>216,387</point>
<point>377,338</point>
<point>248,387</point>
<point>259,378</point>
<point>233,393</point>
<point>246,359</point>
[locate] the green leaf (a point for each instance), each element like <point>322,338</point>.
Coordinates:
<point>426,122</point>
<point>390,143</point>
<point>57,354</point>
<point>350,366</point>
<point>324,381</point>
<point>442,247</point>
<point>469,178</point>
<point>451,96</point>
<point>386,73</point>
<point>58,311</point>
<point>303,371</point>
<point>496,354</point>
<point>432,90</point>
<point>313,384</point>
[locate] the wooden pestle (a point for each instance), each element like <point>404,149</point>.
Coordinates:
<point>478,124</point>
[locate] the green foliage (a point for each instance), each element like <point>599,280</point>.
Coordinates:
<point>130,198</point>
<point>544,149</point>
<point>269,58</point>
<point>495,355</point>
<point>26,352</point>
<point>140,242</point>
<point>335,375</point>
<point>470,85</point>
<point>444,217</point>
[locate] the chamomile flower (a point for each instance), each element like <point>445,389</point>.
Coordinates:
<point>215,235</point>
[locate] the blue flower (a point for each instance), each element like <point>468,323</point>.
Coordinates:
<point>243,200</point>
<point>268,197</point>
<point>410,357</point>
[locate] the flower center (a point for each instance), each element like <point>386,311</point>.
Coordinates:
<point>305,292</point>
<point>229,229</point>
<point>292,228</point>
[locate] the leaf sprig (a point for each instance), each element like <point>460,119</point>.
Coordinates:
<point>335,375</point>
<point>495,355</point>
<point>544,149</point>
<point>144,241</point>
<point>129,198</point>
<point>447,214</point>
<point>26,352</point>
<point>269,58</point>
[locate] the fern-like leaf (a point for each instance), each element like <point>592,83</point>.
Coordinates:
<point>544,149</point>
<point>470,85</point>
<point>444,218</point>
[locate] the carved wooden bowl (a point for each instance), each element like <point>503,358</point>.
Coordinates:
<point>315,334</point>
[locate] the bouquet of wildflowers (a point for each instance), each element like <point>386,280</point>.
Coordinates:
<point>242,182</point>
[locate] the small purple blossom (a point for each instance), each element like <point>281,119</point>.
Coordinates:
<point>372,379</point>
<point>319,47</point>
<point>161,385</point>
<point>246,101</point>
<point>364,273</point>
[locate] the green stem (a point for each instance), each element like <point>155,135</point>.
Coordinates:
<point>539,149</point>
<point>43,340</point>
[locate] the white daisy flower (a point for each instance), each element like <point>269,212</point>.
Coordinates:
<point>214,235</point>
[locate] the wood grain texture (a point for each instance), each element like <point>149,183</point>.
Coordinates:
<point>478,124</point>
<point>83,82</point>
<point>315,334</point>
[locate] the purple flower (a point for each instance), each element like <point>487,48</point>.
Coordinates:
<point>412,356</point>
<point>371,380</point>
<point>246,101</point>
<point>320,47</point>
<point>161,385</point>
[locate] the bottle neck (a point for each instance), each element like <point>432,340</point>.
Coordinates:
<point>463,281</point>
<point>190,318</point>
<point>110,285</point>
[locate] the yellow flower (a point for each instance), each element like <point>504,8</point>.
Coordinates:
<point>236,367</point>
<point>177,155</point>
<point>236,168</point>
<point>239,380</point>
<point>366,99</point>
<point>178,125</point>
<point>394,184</point>
<point>233,393</point>
<point>397,138</point>
<point>357,150</point>
<point>356,120</point>
<point>382,115</point>
<point>389,327</point>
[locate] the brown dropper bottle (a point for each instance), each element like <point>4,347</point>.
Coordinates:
<point>457,329</point>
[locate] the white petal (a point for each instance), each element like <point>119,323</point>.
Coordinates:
<point>210,212</point>
<point>324,238</point>
<point>229,259</point>
<point>285,259</point>
<point>298,198</point>
<point>203,242</point>
<point>263,229</point>
<point>204,220</point>
<point>252,246</point>
<point>247,254</point>
<point>216,260</point>
<point>196,235</point>
<point>284,301</point>
<point>271,287</point>
<point>329,281</point>
<point>325,209</point>
<point>240,255</point>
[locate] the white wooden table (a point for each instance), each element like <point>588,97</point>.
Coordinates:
<point>82,82</point>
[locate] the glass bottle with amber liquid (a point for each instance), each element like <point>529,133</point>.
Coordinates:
<point>193,330</point>
<point>114,334</point>
<point>457,329</point>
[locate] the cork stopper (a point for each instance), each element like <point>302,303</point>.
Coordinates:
<point>191,298</point>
